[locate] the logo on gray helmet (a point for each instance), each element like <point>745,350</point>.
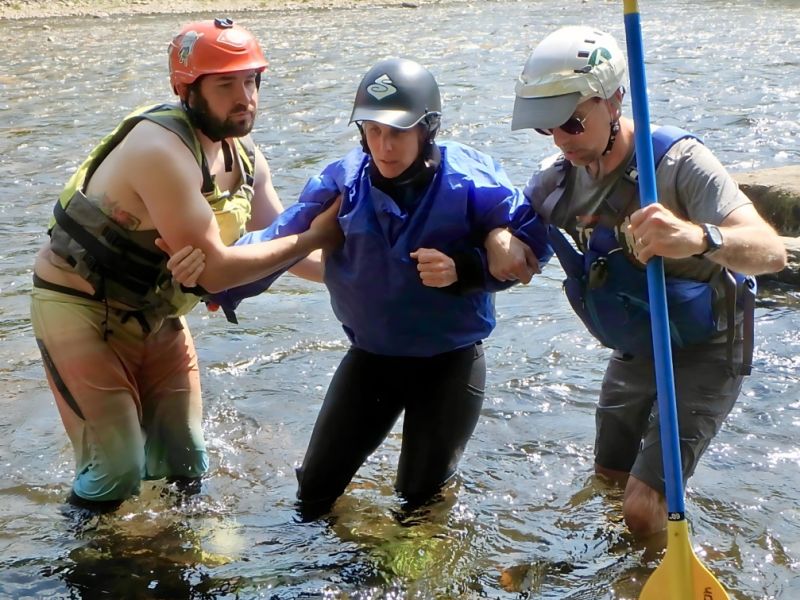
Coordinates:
<point>382,87</point>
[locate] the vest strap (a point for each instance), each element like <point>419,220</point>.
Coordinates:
<point>110,264</point>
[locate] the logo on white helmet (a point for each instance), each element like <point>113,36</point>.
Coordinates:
<point>599,56</point>
<point>382,87</point>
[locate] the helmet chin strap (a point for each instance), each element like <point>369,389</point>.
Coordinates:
<point>614,124</point>
<point>612,136</point>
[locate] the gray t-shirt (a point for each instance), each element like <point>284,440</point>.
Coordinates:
<point>691,183</point>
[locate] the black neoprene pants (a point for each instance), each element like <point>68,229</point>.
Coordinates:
<point>442,397</point>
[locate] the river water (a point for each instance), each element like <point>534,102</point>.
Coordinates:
<point>525,519</point>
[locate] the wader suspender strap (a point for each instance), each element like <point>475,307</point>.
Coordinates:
<point>249,147</point>
<point>248,169</point>
<point>748,297</point>
<point>208,178</point>
<point>748,325</point>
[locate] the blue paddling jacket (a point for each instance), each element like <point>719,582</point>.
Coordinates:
<point>375,288</point>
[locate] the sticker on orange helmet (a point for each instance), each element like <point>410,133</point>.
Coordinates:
<point>188,41</point>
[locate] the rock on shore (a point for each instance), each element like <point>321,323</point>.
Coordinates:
<point>776,195</point>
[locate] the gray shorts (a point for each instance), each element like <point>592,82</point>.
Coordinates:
<point>628,436</point>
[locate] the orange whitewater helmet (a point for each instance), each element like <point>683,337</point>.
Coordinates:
<point>209,47</point>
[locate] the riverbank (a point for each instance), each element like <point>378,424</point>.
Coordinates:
<point>29,9</point>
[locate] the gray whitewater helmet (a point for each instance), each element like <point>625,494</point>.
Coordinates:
<point>400,93</point>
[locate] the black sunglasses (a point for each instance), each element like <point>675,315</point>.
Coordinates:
<point>572,126</point>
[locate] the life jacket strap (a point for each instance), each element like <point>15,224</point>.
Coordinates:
<point>748,325</point>
<point>43,284</point>
<point>133,275</point>
<point>138,315</point>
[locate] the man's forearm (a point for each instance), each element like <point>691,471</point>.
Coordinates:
<point>238,265</point>
<point>751,250</point>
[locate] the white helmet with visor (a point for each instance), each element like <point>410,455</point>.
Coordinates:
<point>570,65</point>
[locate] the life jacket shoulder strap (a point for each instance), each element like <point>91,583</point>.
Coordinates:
<point>553,179</point>
<point>548,186</point>
<point>246,147</point>
<point>111,141</point>
<point>739,291</point>
<point>626,190</point>
<point>173,118</point>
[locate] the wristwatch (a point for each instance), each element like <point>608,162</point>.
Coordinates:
<point>713,237</point>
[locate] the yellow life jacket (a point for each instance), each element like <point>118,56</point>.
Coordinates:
<point>126,266</point>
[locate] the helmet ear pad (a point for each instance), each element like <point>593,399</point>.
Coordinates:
<point>432,122</point>
<point>364,145</point>
<point>181,90</point>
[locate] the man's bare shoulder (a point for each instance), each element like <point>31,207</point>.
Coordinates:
<point>152,149</point>
<point>149,137</point>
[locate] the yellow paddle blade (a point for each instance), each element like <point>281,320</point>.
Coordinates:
<point>681,575</point>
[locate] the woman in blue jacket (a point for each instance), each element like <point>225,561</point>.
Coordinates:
<point>409,284</point>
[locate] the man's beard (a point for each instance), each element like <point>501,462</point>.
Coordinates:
<point>216,129</point>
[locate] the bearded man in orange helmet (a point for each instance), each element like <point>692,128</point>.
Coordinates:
<point>106,312</point>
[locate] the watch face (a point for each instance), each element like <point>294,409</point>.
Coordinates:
<point>713,237</point>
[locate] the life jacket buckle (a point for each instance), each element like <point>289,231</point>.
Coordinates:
<point>598,273</point>
<point>632,174</point>
<point>111,236</point>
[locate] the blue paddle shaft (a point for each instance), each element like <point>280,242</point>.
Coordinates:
<point>659,315</point>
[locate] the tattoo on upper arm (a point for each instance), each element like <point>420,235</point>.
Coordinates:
<point>121,217</point>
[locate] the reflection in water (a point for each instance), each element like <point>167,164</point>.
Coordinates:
<point>525,518</point>
<point>161,566</point>
<point>149,550</point>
